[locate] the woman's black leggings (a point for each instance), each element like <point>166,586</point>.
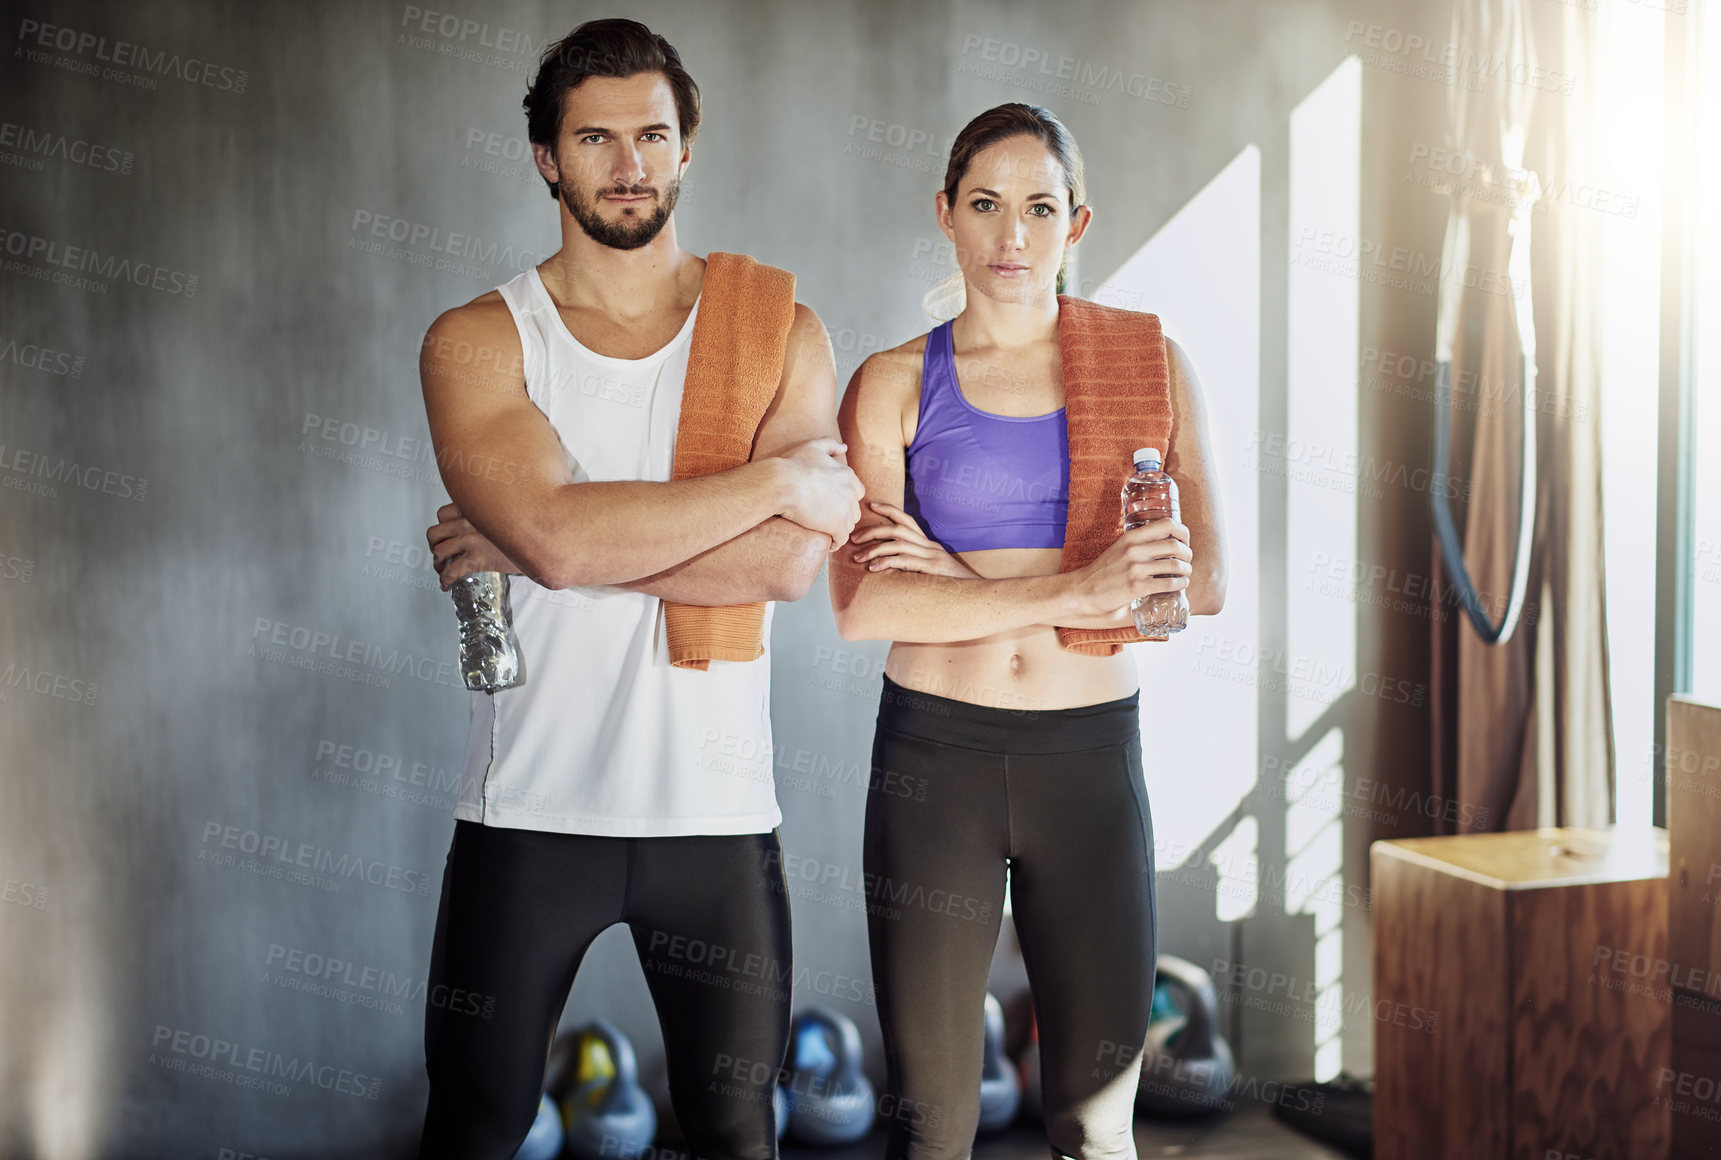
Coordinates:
<point>710,919</point>
<point>959,792</point>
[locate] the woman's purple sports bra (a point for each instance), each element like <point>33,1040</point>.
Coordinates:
<point>978,480</point>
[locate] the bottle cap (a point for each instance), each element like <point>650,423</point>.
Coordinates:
<point>1147,455</point>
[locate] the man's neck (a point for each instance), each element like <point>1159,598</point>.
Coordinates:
<point>622,284</point>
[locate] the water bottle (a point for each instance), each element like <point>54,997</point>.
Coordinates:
<point>489,653</point>
<point>1150,495</point>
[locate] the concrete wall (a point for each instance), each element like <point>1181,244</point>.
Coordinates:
<point>200,318</point>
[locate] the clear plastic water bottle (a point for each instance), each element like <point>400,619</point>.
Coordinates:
<point>489,652</point>
<point>1150,495</point>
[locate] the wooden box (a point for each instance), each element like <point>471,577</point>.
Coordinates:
<point>1516,947</point>
<point>1692,1086</point>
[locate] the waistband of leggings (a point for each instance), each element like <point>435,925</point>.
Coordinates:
<point>971,726</point>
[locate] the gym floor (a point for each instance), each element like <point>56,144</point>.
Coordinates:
<point>1249,1133</point>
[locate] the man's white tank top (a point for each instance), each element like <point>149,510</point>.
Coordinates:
<point>604,736</point>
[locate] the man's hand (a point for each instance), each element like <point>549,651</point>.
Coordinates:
<point>824,494</point>
<point>460,549</point>
<point>1152,558</point>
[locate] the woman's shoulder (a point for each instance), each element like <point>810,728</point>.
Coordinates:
<point>896,370</point>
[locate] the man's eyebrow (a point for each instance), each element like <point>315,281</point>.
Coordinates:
<point>583,130</point>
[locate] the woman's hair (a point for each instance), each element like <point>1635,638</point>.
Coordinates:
<point>604,48</point>
<point>1001,124</point>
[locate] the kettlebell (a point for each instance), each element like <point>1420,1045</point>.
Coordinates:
<point>830,1100</point>
<point>1000,1086</point>
<point>607,1115</point>
<point>544,1141</point>
<point>1186,1066</point>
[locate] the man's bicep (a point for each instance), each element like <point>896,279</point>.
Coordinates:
<point>499,456</point>
<point>805,406</point>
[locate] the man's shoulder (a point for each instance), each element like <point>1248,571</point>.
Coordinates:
<point>487,314</point>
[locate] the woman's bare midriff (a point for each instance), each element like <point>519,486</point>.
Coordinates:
<point>1024,668</point>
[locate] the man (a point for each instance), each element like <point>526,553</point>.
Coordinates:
<point>561,406</point>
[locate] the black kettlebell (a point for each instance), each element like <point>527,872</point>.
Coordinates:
<point>1186,1066</point>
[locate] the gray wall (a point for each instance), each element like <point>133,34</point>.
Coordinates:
<point>187,537</point>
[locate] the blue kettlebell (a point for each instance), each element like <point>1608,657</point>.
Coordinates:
<point>1186,1065</point>
<point>830,1100</point>
<point>781,1102</point>
<point>544,1141</point>
<point>1000,1086</point>
<point>607,1115</point>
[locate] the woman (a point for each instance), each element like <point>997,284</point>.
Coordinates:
<point>996,745</point>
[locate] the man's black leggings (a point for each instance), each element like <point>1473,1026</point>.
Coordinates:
<point>710,919</point>
<point>960,791</point>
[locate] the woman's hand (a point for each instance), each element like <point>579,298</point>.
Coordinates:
<point>901,545</point>
<point>460,549</point>
<point>1152,558</point>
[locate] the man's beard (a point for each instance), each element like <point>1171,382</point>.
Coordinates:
<point>630,232</point>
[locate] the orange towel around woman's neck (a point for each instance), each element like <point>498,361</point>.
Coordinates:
<point>734,365</point>
<point>1117,397</point>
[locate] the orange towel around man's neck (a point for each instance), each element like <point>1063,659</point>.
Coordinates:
<point>734,365</point>
<point>1117,397</point>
